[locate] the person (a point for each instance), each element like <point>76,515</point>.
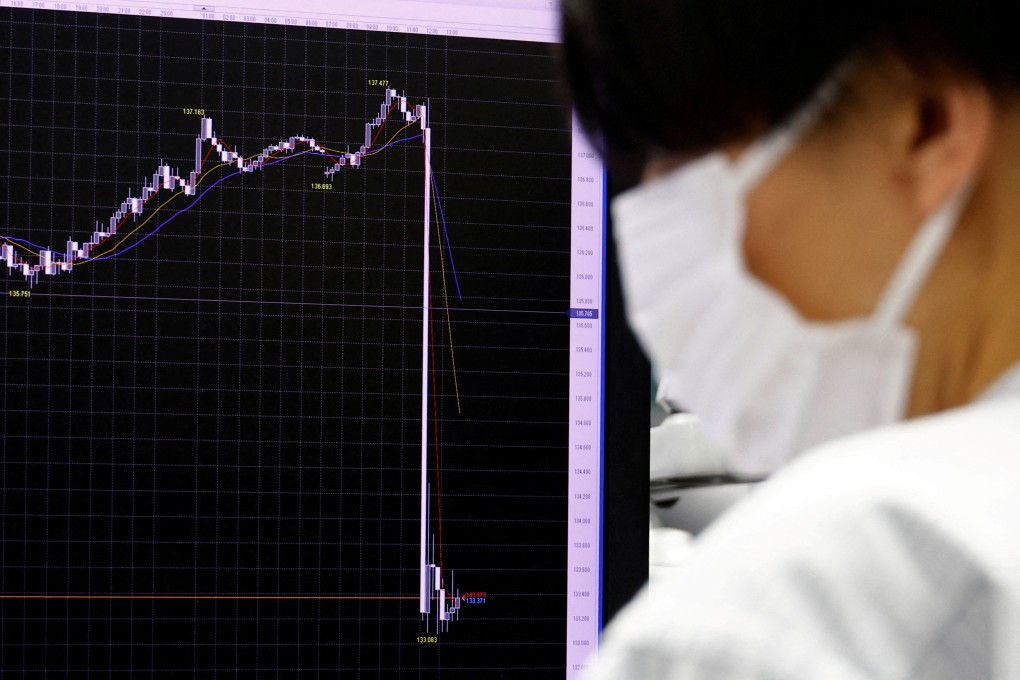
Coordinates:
<point>822,262</point>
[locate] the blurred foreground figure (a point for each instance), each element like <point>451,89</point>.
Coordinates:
<point>823,263</point>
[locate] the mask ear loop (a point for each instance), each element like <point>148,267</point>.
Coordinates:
<point>920,258</point>
<point>925,249</point>
<point>767,152</point>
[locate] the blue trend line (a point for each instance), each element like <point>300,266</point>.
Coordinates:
<point>22,240</point>
<point>392,142</point>
<point>192,205</point>
<point>212,186</point>
<point>442,215</point>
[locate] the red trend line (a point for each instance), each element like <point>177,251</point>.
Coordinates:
<point>207,154</point>
<point>128,216</point>
<point>131,207</point>
<point>331,157</point>
<point>382,125</point>
<point>158,189</point>
<point>124,221</point>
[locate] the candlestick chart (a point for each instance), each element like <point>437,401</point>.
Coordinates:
<point>285,350</point>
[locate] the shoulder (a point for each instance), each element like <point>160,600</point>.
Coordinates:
<point>952,467</point>
<point>850,563</point>
<point>955,475</point>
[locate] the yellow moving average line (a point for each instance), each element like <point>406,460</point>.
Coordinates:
<point>124,238</point>
<point>18,245</point>
<point>446,300</point>
<point>199,182</point>
<point>153,214</point>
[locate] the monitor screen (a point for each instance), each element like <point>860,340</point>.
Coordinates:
<point>302,341</point>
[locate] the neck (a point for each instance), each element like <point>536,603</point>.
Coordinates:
<point>968,316</point>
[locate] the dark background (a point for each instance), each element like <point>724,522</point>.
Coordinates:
<point>232,407</point>
<point>197,415</point>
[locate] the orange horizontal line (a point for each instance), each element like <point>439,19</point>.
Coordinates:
<point>208,597</point>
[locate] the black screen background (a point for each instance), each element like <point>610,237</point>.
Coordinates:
<point>232,408</point>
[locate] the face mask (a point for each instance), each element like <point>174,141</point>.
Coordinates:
<point>766,383</point>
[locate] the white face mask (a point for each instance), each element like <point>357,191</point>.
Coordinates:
<point>765,382</point>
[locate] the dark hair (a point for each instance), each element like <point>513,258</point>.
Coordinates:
<point>691,75</point>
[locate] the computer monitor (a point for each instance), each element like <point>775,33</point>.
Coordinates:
<point>303,341</point>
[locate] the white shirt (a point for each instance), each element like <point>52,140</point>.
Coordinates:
<point>893,554</point>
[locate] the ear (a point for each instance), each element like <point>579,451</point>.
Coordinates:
<point>951,123</point>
